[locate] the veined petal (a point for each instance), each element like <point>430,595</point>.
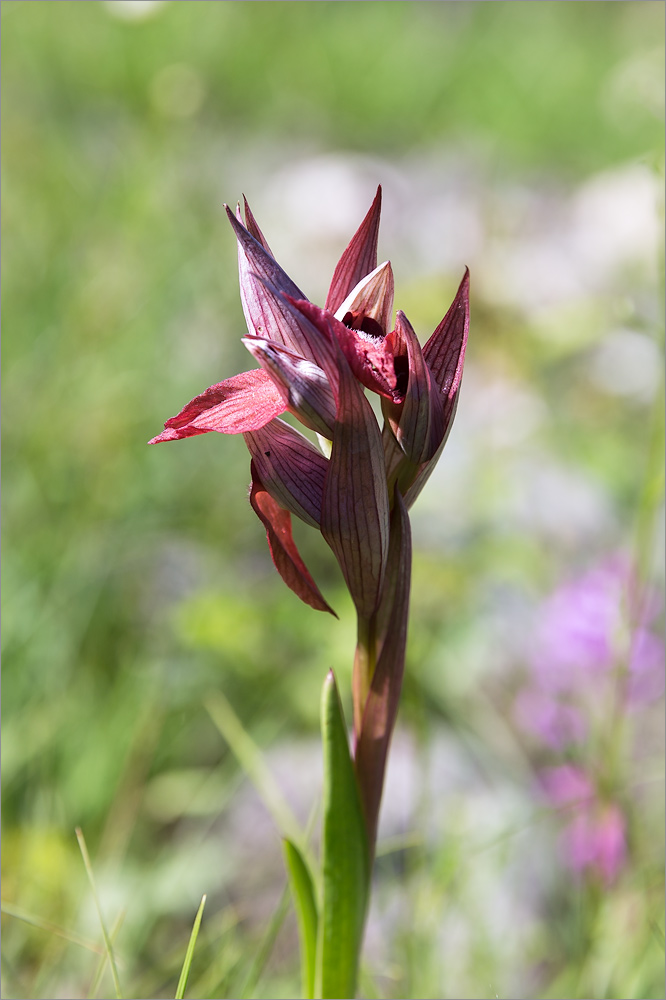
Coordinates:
<point>418,422</point>
<point>355,504</point>
<point>370,358</point>
<point>445,351</point>
<point>359,258</point>
<point>243,403</point>
<point>291,469</point>
<point>381,707</point>
<point>369,305</point>
<point>304,383</point>
<point>284,553</point>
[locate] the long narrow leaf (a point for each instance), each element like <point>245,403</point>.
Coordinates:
<point>189,954</point>
<point>305,904</point>
<point>345,859</point>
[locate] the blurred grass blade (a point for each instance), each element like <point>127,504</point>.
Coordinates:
<point>101,965</point>
<point>189,954</point>
<point>305,904</point>
<point>50,928</point>
<point>345,859</point>
<point>265,949</point>
<point>249,756</point>
<point>105,933</point>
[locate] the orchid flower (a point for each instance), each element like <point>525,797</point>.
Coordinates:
<point>316,363</point>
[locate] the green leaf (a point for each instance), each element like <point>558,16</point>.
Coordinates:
<point>305,904</point>
<point>189,954</point>
<point>345,859</point>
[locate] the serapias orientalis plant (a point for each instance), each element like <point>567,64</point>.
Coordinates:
<point>315,364</point>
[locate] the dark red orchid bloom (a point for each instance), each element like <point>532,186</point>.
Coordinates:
<point>315,363</point>
<point>356,488</point>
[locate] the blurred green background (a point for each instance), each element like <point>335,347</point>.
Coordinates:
<point>522,139</point>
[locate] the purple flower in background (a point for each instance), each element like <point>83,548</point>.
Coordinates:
<point>587,631</point>
<point>593,840</point>
<point>556,723</point>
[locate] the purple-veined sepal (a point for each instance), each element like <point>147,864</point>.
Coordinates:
<point>445,351</point>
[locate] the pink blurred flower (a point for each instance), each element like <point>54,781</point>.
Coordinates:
<point>554,722</point>
<point>593,839</point>
<point>566,785</point>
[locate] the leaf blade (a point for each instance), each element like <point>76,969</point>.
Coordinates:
<point>305,904</point>
<point>189,954</point>
<point>345,859</point>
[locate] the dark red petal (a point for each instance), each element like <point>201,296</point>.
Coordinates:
<point>359,259</point>
<point>445,351</point>
<point>282,547</point>
<point>381,707</point>
<point>291,469</point>
<point>418,422</point>
<point>243,403</point>
<point>370,358</point>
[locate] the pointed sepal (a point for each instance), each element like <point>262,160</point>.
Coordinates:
<point>359,258</point>
<point>445,351</point>
<point>261,282</point>
<point>252,226</point>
